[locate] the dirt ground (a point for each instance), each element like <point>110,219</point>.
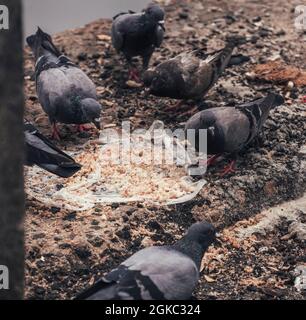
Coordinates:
<point>258,248</point>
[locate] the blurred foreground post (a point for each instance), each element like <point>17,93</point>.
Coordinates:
<point>11,152</point>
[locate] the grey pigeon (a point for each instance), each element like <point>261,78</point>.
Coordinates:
<point>157,273</point>
<point>188,76</point>
<point>230,129</point>
<point>41,152</point>
<point>65,92</point>
<point>138,34</point>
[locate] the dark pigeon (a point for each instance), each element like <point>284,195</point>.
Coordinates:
<point>188,76</point>
<point>230,129</point>
<point>41,152</point>
<point>157,273</point>
<point>138,34</point>
<point>65,92</point>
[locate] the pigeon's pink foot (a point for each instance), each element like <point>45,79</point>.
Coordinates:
<point>304,99</point>
<point>134,75</point>
<point>81,128</point>
<point>211,161</point>
<point>55,133</point>
<point>229,169</point>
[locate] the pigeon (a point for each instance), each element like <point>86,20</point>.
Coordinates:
<point>138,34</point>
<point>231,129</point>
<point>41,152</point>
<point>188,76</point>
<point>65,92</point>
<point>158,273</point>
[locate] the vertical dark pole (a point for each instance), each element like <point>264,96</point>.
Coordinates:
<point>11,153</point>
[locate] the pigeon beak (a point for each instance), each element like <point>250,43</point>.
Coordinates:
<point>97,123</point>
<point>147,92</point>
<point>162,24</point>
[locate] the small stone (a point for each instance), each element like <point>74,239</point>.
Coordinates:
<point>96,242</point>
<point>154,225</point>
<point>82,56</point>
<point>55,210</point>
<point>95,223</point>
<point>96,56</point>
<point>40,290</point>
<point>59,187</point>
<point>281,33</point>
<point>290,85</point>
<point>64,246</point>
<point>70,216</point>
<point>82,251</point>
<point>33,98</point>
<point>263,33</point>
<point>38,236</point>
<point>256,19</point>
<point>124,234</point>
<point>183,15</point>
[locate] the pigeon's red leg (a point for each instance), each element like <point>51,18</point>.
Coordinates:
<point>229,169</point>
<point>55,132</point>
<point>82,128</point>
<point>304,99</point>
<point>211,161</point>
<point>134,75</point>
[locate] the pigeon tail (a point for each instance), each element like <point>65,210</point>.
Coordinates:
<point>108,290</point>
<point>41,44</point>
<point>41,152</point>
<point>220,60</point>
<point>63,170</point>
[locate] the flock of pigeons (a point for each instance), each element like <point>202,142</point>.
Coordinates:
<point>68,96</point>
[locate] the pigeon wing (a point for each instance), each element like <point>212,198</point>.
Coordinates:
<point>52,87</point>
<point>151,274</point>
<point>163,273</point>
<point>80,82</point>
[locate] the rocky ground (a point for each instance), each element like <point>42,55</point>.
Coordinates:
<point>258,248</point>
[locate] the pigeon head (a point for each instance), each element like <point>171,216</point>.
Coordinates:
<point>148,77</point>
<point>278,99</point>
<point>202,233</point>
<point>206,120</point>
<point>91,111</point>
<point>155,13</point>
<point>158,82</point>
<point>40,43</point>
